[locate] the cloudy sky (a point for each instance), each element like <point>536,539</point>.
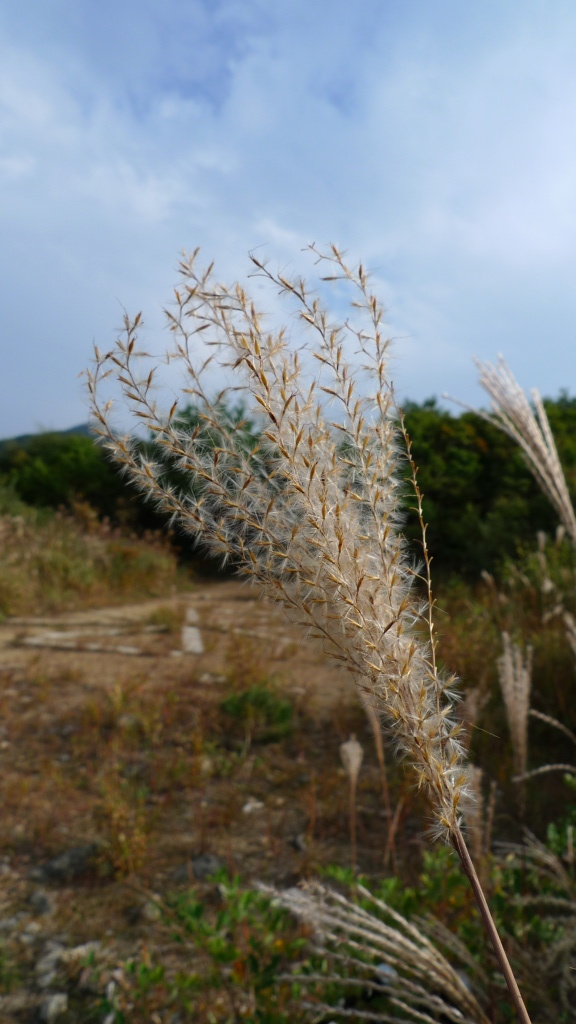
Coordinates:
<point>436,140</point>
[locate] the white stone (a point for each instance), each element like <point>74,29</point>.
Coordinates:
<point>191,636</point>
<point>192,640</point>
<point>252,805</point>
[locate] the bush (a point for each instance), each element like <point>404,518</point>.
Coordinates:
<point>50,562</point>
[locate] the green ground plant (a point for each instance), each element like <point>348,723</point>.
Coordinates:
<point>243,946</point>
<point>259,713</point>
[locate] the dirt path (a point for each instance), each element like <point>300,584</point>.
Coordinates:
<point>200,627</point>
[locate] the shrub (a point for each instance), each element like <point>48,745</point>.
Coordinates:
<point>49,562</point>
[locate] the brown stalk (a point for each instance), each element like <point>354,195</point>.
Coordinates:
<point>489,925</point>
<point>379,744</point>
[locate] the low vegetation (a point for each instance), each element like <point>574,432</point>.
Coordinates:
<point>52,560</point>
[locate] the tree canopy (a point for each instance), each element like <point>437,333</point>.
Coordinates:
<point>480,501</point>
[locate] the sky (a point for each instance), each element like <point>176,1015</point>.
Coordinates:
<point>436,141</point>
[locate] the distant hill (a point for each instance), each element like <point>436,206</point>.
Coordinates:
<point>82,430</point>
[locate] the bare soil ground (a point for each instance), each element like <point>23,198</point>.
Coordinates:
<point>113,741</point>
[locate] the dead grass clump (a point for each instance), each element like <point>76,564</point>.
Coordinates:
<point>50,562</point>
<point>168,618</point>
<point>122,821</point>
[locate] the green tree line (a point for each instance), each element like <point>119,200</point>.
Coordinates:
<point>481,502</point>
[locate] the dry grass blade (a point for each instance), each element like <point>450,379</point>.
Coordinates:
<point>379,950</point>
<point>554,723</point>
<point>529,427</point>
<point>555,903</point>
<point>570,629</point>
<point>479,824</point>
<point>515,675</point>
<point>568,769</point>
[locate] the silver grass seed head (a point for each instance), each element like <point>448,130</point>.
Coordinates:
<point>352,754</point>
<point>313,515</point>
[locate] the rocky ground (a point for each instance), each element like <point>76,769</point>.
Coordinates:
<point>123,778</point>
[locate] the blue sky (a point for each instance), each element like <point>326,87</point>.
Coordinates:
<point>436,141</point>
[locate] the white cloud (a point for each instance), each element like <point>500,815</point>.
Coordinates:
<point>436,144</point>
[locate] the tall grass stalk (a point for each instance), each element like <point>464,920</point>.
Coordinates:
<point>310,510</point>
<point>515,676</point>
<point>529,427</point>
<point>351,755</point>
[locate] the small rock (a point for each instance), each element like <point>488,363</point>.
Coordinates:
<point>46,967</point>
<point>30,934</point>
<point>41,903</point>
<point>9,924</point>
<point>206,864</point>
<point>299,842</point>
<point>87,977</point>
<point>252,805</point>
<point>17,1002</point>
<point>53,1007</point>
<point>192,640</point>
<point>82,952</point>
<point>151,911</point>
<point>201,867</point>
<point>67,866</point>
<point>46,980</point>
<point>32,928</point>
<point>386,974</point>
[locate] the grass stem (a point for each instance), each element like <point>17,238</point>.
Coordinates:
<point>490,927</point>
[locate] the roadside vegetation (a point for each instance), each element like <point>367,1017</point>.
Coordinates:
<point>53,560</point>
